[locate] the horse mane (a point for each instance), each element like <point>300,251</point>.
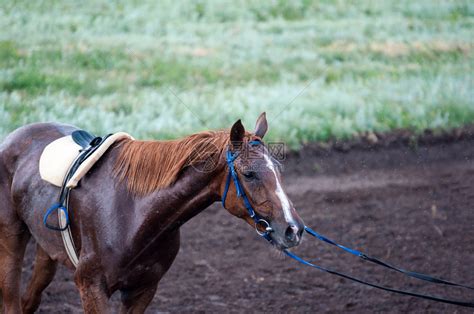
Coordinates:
<point>150,165</point>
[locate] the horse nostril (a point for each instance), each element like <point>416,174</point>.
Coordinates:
<point>300,233</point>
<point>291,233</point>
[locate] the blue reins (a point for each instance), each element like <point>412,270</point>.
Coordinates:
<point>402,292</point>
<point>232,175</point>
<point>384,264</point>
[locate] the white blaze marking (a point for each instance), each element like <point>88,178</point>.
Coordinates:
<point>285,203</point>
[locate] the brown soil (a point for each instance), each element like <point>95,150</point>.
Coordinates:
<point>410,202</point>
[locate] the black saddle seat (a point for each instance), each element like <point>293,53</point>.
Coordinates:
<point>85,139</point>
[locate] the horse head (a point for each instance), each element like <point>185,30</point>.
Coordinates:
<point>259,177</point>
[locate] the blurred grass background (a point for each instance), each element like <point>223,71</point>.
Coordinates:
<point>163,69</point>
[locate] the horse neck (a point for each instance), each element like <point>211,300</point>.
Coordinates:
<point>167,209</point>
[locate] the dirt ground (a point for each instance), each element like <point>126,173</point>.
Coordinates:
<point>410,203</point>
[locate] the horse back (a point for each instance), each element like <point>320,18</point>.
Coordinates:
<point>27,143</point>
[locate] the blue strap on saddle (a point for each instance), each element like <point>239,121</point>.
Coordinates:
<point>54,207</point>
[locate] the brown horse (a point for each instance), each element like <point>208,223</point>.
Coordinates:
<point>127,211</point>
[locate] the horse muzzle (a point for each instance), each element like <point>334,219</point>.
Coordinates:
<point>287,235</point>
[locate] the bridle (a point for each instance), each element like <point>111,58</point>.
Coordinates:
<point>260,221</point>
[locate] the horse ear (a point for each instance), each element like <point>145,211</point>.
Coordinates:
<point>261,126</point>
<point>237,132</point>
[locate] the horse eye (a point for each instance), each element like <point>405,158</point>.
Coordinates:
<point>250,175</point>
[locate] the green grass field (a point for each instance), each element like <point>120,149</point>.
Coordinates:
<point>163,69</point>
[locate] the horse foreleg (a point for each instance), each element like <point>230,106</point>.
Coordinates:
<point>43,274</point>
<point>136,301</point>
<point>92,288</point>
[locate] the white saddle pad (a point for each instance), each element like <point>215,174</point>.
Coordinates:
<point>59,155</point>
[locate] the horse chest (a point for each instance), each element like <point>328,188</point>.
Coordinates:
<point>149,264</point>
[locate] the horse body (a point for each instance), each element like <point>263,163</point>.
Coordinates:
<point>126,242</point>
